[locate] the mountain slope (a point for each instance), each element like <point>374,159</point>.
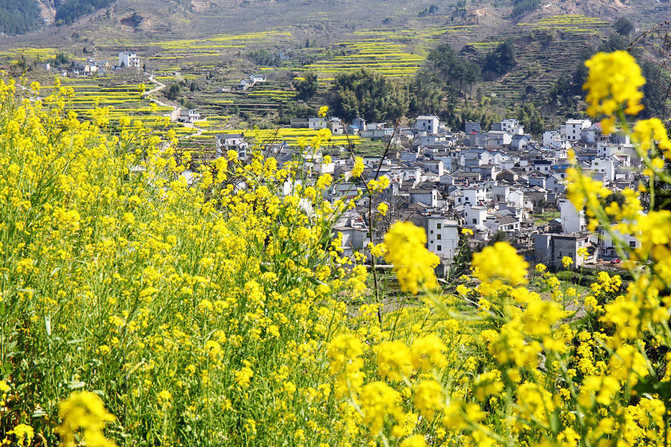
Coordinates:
<point>19,16</point>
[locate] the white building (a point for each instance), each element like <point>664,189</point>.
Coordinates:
<point>189,116</point>
<point>442,236</point>
<point>232,142</point>
<point>510,125</point>
<point>129,60</point>
<point>317,123</point>
<point>475,217</point>
<point>572,220</point>
<point>474,195</point>
<point>428,197</point>
<point>428,123</point>
<point>606,167</point>
<point>498,138</point>
<point>572,130</point>
<point>555,140</point>
<point>435,166</point>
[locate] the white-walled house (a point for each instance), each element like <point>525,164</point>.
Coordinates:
<point>516,198</point>
<point>550,249</point>
<point>474,195</point>
<point>412,175</point>
<point>189,116</point>
<point>428,124</point>
<point>510,125</point>
<point>543,166</point>
<point>572,130</point>
<point>317,123</point>
<point>232,142</point>
<point>572,220</point>
<point>428,197</point>
<point>434,166</point>
<point>606,167</point>
<point>131,60</point>
<point>442,236</point>
<point>500,193</point>
<point>498,138</point>
<point>555,140</point>
<point>608,245</point>
<point>475,217</point>
<point>555,183</point>
<point>506,224</point>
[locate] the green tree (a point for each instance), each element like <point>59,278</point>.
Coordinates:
<point>623,26</point>
<point>656,90</point>
<point>173,92</point>
<point>522,7</point>
<point>68,11</point>
<point>369,95</point>
<point>19,16</point>
<point>307,87</point>
<point>454,70</point>
<point>531,119</point>
<point>500,60</point>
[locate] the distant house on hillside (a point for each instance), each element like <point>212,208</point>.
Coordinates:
<point>428,123</point>
<point>189,116</point>
<point>129,60</point>
<point>232,142</point>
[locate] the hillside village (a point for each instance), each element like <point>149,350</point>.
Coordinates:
<point>501,183</point>
<point>495,183</point>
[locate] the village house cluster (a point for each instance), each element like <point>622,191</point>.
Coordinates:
<point>492,183</point>
<point>93,66</point>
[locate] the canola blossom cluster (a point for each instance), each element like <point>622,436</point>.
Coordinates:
<point>138,308</point>
<point>613,86</point>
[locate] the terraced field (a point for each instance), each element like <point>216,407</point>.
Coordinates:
<point>575,24</point>
<point>545,58</point>
<point>396,54</point>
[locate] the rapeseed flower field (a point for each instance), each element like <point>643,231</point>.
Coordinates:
<point>137,309</point>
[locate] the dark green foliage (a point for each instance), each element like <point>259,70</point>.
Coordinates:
<point>531,119</point>
<point>173,92</point>
<point>656,91</point>
<point>623,26</point>
<point>307,87</point>
<point>439,85</point>
<point>19,16</point>
<point>428,11</point>
<point>445,79</point>
<point>484,115</point>
<point>461,264</point>
<point>68,11</point>
<point>615,42</point>
<point>452,69</point>
<point>427,94</point>
<point>369,95</point>
<point>522,7</point>
<point>566,92</point>
<point>62,59</point>
<point>499,61</point>
<point>264,57</point>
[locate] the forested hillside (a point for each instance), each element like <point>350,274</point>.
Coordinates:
<point>67,11</point>
<point>19,16</point>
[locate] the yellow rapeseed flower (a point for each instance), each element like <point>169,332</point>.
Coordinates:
<point>357,170</point>
<point>500,262</point>
<point>84,412</point>
<point>413,263</point>
<point>614,79</point>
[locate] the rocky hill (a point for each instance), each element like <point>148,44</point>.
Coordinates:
<point>197,18</point>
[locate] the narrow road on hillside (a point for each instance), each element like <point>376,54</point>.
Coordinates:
<point>174,115</point>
